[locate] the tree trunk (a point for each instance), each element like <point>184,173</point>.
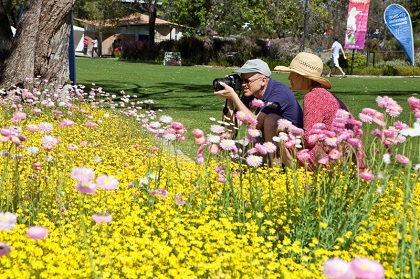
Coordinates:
<point>152,21</point>
<point>40,48</point>
<point>6,35</point>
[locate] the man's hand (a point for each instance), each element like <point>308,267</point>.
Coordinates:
<point>227,93</point>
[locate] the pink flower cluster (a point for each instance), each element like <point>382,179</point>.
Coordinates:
<point>84,177</point>
<point>358,268</point>
<point>173,131</point>
<point>12,134</point>
<point>391,107</point>
<point>391,135</point>
<point>415,106</point>
<point>162,192</point>
<point>246,119</point>
<point>342,139</point>
<point>219,141</point>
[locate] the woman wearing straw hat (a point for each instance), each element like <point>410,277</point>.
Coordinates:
<point>319,105</point>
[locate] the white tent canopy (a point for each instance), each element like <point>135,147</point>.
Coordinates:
<point>78,35</point>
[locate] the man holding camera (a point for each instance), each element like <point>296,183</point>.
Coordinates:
<point>279,101</point>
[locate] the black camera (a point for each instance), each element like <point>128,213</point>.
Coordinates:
<point>234,81</point>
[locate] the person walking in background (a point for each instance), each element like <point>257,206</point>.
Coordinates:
<point>85,45</point>
<point>336,48</point>
<point>320,106</point>
<point>95,46</point>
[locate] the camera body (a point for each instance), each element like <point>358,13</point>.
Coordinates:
<point>234,81</point>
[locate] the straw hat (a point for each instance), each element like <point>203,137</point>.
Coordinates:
<point>307,65</point>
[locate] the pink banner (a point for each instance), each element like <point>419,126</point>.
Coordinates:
<point>357,24</point>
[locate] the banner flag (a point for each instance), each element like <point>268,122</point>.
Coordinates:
<point>357,24</point>
<point>398,22</point>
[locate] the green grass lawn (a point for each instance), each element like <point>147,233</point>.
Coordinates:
<point>186,93</point>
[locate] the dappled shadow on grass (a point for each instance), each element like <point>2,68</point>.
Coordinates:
<point>166,95</point>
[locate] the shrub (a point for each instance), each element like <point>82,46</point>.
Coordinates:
<point>407,71</point>
<point>192,50</point>
<point>372,71</point>
<point>140,51</point>
<point>284,49</point>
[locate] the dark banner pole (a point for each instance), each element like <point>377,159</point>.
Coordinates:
<point>352,62</point>
<point>72,54</point>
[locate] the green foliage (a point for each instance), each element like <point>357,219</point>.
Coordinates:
<point>191,50</point>
<point>407,71</point>
<point>372,71</point>
<point>99,9</point>
<point>359,61</point>
<point>140,51</point>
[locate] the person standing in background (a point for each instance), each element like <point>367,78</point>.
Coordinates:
<point>336,48</point>
<point>95,46</point>
<point>85,45</point>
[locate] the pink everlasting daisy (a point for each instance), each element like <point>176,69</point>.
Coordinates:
<point>365,118</point>
<point>91,124</point>
<point>323,161</point>
<point>66,123</point>
<point>354,142</point>
<point>335,268</point>
<point>312,139</point>
<point>227,144</point>
<point>37,232</point>
<point>252,151</point>
<point>257,103</point>
<point>242,116</point>
<point>214,148</point>
<point>260,148</point>
<point>334,154</point>
<point>331,141</point>
<point>82,174</point>
<point>283,124</point>
<point>107,182</point>
<point>163,193</point>
<point>254,161</point>
<point>18,116</point>
<point>303,155</point>
<point>178,200</point>
<point>36,111</point>
<point>32,127</point>
<point>102,217</point>
<point>86,187</point>
<point>72,146</point>
<point>365,268</point>
<point>7,221</point>
<point>402,159</point>
<point>414,103</point>
<point>200,140</point>
<point>251,121</point>
<point>217,129</point>
<point>45,127</point>
<point>4,249</point>
<point>254,132</point>
<point>297,131</point>
<point>270,147</point>
<point>198,133</point>
<point>366,175</point>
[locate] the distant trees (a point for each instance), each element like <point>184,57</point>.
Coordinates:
<point>40,47</point>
